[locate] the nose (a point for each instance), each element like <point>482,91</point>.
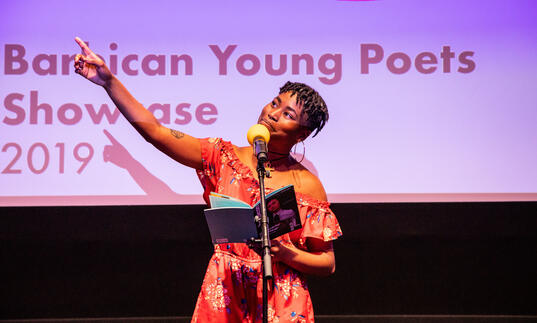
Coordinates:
<point>274,114</point>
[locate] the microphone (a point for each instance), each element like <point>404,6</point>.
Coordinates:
<point>258,136</point>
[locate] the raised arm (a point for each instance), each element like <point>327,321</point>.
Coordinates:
<point>179,146</point>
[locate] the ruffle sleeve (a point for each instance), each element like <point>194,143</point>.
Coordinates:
<point>318,220</point>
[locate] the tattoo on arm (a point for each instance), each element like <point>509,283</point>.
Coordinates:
<point>177,134</point>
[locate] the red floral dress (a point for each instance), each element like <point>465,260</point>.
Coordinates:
<point>232,287</point>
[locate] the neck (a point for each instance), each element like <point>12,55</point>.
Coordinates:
<point>276,150</point>
<point>278,158</point>
<point>279,155</point>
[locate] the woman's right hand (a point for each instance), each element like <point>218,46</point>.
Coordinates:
<point>91,66</point>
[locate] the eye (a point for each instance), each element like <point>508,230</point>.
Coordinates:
<point>289,115</point>
<point>273,104</point>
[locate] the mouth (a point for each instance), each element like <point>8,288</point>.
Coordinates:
<point>268,124</point>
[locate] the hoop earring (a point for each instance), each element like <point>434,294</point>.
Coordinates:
<point>303,150</point>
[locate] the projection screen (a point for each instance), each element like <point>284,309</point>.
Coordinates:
<point>428,100</point>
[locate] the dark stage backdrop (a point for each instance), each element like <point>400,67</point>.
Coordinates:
<point>413,258</point>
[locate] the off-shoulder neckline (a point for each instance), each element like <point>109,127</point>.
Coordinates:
<point>301,197</point>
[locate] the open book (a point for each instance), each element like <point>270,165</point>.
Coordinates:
<point>232,220</point>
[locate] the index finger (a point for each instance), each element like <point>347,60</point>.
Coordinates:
<point>111,138</point>
<point>83,46</point>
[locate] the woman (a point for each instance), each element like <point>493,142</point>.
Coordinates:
<point>232,288</point>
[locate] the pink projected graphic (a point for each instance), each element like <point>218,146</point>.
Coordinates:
<point>427,101</point>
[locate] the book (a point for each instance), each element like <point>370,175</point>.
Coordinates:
<point>232,220</point>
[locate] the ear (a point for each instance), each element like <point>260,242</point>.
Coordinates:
<point>304,133</point>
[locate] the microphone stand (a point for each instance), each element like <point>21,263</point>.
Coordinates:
<point>265,241</point>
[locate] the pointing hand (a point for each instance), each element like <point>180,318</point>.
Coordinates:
<point>91,66</point>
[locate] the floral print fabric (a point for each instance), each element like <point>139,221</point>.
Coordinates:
<point>232,287</point>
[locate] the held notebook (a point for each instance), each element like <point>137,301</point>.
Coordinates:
<point>232,220</point>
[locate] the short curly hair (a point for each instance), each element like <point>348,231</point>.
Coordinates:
<point>312,103</point>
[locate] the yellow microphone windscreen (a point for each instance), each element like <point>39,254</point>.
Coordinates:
<point>258,130</point>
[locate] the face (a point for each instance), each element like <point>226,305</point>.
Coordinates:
<point>284,120</point>
<point>273,205</point>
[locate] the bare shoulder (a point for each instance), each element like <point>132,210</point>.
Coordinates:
<point>244,153</point>
<point>309,184</point>
<point>242,150</point>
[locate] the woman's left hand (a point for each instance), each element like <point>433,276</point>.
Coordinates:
<point>281,250</point>
<point>318,260</point>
